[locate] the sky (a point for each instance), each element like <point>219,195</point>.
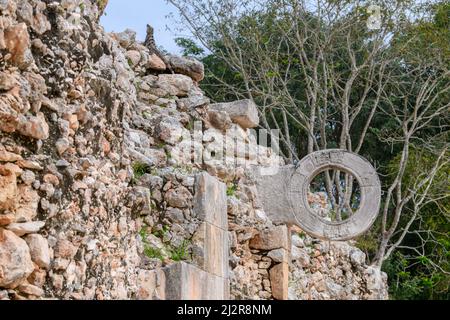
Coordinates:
<point>135,14</point>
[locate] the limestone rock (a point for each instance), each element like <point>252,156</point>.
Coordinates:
<point>15,259</point>
<point>173,85</point>
<point>274,238</point>
<point>125,38</point>
<point>39,250</point>
<point>6,219</point>
<point>30,289</point>
<point>220,120</point>
<point>178,198</point>
<point>21,229</point>
<point>34,126</point>
<point>243,112</point>
<point>65,249</point>
<point>279,278</point>
<point>27,205</point>
<point>17,41</point>
<point>187,66</point>
<point>155,63</point>
<point>279,255</point>
<point>8,189</point>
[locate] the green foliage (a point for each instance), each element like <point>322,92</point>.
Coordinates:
<point>231,190</point>
<point>161,232</point>
<point>153,253</point>
<point>176,253</point>
<point>180,252</point>
<point>190,48</point>
<point>149,251</point>
<point>140,169</point>
<point>413,275</point>
<point>408,282</point>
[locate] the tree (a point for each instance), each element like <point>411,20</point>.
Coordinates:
<point>320,75</point>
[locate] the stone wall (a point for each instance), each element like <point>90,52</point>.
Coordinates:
<point>109,189</point>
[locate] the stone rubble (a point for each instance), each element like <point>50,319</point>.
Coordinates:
<point>98,176</point>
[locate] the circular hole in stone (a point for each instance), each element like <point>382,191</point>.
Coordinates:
<point>334,195</point>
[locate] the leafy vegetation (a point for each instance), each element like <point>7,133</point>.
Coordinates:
<point>181,252</point>
<point>175,253</point>
<point>231,190</point>
<point>140,169</point>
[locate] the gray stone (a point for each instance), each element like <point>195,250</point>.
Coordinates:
<point>175,215</point>
<point>279,255</point>
<point>21,229</point>
<point>15,259</point>
<point>39,250</point>
<point>187,66</point>
<point>126,38</point>
<point>188,282</point>
<point>212,249</point>
<point>274,238</point>
<point>242,112</point>
<point>279,279</point>
<point>210,200</point>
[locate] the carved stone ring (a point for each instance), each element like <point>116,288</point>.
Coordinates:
<point>284,195</point>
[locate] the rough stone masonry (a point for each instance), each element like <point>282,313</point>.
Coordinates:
<point>99,195</point>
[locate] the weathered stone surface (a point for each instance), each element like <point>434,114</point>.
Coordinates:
<point>125,38</point>
<point>6,219</point>
<point>39,250</point>
<point>30,289</point>
<point>274,238</point>
<point>173,85</point>
<point>279,278</point>
<point>376,283</point>
<point>21,229</point>
<point>17,41</point>
<point>6,156</point>
<point>211,249</point>
<point>279,255</point>
<point>171,131</point>
<point>27,205</point>
<point>65,249</point>
<point>33,126</point>
<point>134,57</point>
<point>243,112</point>
<point>187,282</point>
<point>220,120</point>
<point>187,66</point>
<point>8,189</point>
<point>151,285</point>
<point>155,63</point>
<point>210,202</point>
<point>179,197</point>
<point>284,194</point>
<point>15,259</point>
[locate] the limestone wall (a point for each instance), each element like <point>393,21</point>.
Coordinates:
<point>109,188</point>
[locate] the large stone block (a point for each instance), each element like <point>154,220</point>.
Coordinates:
<point>274,238</point>
<point>152,285</point>
<point>188,282</point>
<point>15,259</point>
<point>242,112</point>
<point>187,66</point>
<point>210,201</point>
<point>279,279</point>
<point>211,249</point>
